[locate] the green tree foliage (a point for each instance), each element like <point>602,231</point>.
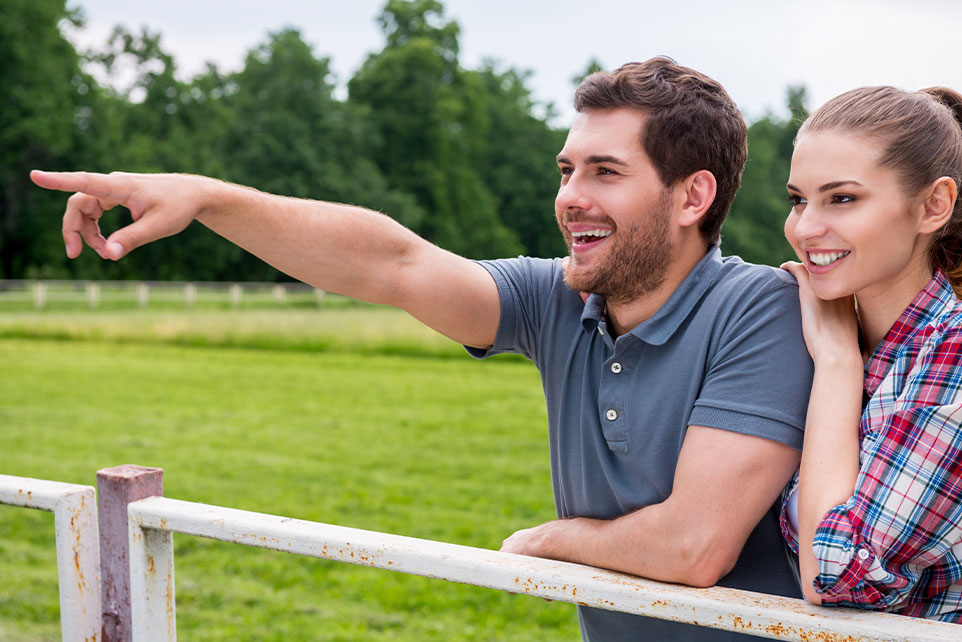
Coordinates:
<point>754,226</point>
<point>41,98</point>
<point>430,116</point>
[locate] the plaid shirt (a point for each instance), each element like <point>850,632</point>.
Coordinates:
<point>896,544</point>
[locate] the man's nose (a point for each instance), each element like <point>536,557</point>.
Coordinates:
<point>572,195</point>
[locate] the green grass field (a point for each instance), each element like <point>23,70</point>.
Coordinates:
<point>354,416</point>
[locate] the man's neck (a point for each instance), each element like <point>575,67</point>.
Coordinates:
<point>624,317</point>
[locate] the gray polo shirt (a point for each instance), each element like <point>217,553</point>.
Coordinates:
<point>725,351</point>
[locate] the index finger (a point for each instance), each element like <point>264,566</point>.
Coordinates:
<point>112,186</point>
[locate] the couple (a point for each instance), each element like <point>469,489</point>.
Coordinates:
<point>677,381</point>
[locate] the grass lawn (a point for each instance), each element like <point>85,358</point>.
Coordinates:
<point>360,419</point>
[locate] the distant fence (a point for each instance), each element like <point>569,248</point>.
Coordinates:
<point>53,294</point>
<point>139,604</point>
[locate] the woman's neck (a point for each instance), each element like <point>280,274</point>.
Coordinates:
<point>880,308</point>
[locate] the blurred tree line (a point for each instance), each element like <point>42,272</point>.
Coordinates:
<point>458,155</point>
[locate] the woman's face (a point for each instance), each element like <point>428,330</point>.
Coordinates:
<point>851,223</point>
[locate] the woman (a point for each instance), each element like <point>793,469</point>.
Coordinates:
<point>876,508</point>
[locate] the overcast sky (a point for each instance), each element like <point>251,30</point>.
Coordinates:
<point>755,48</point>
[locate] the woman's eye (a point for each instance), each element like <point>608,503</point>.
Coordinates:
<point>842,198</point>
<point>796,200</point>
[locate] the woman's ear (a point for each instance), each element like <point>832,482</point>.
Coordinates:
<point>700,190</point>
<point>938,204</point>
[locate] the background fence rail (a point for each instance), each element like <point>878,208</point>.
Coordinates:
<point>74,509</point>
<point>44,294</point>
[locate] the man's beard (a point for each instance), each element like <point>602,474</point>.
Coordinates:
<point>636,264</point>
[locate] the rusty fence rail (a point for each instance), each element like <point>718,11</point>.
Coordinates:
<point>152,522</point>
<point>136,601</point>
<point>74,511</point>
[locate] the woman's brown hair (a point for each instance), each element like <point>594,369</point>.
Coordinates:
<point>921,137</point>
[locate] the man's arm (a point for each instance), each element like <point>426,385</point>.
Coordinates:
<point>724,482</point>
<point>337,248</point>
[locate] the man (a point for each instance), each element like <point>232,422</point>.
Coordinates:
<point>676,381</point>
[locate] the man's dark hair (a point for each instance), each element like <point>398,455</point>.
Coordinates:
<point>691,124</point>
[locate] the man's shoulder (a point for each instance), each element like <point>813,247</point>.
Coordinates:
<point>737,273</point>
<point>739,288</point>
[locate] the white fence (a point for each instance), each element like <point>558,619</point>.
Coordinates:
<point>41,295</point>
<point>152,521</point>
<point>74,511</point>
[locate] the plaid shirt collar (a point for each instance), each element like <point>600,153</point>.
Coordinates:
<point>930,303</point>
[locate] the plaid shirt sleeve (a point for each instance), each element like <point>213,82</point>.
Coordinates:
<point>896,544</point>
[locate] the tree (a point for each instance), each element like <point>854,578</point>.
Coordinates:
<point>754,227</point>
<point>43,95</point>
<point>429,113</point>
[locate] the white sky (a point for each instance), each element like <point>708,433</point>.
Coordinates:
<point>754,48</point>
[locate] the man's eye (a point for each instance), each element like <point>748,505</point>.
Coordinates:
<point>605,171</point>
<point>565,171</point>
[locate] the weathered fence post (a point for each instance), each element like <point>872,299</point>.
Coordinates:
<point>117,487</point>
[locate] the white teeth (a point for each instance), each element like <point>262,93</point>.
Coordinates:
<point>599,233</point>
<point>826,258</point>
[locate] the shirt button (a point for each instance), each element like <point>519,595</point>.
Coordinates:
<point>616,367</point>
<point>612,414</point>
<point>862,554</point>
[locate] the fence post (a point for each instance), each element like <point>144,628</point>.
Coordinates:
<point>93,294</point>
<point>39,295</point>
<point>117,487</point>
<point>235,295</point>
<point>143,294</point>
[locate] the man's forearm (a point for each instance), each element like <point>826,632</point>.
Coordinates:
<point>642,543</point>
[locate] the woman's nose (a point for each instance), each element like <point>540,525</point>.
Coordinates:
<point>810,224</point>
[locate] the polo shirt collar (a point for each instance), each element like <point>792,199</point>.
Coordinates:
<point>659,328</point>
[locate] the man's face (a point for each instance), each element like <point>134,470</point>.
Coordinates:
<point>612,208</point>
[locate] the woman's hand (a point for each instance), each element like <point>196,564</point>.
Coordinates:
<point>830,327</point>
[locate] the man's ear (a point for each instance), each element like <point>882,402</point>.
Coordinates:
<point>938,203</point>
<point>700,189</point>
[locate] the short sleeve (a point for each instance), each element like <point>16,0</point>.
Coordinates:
<point>525,286</point>
<point>760,375</point>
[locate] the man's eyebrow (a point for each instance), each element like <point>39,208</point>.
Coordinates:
<point>594,159</point>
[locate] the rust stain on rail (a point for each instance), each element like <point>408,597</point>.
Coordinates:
<point>779,630</point>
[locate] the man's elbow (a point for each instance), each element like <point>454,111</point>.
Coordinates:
<point>704,563</point>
